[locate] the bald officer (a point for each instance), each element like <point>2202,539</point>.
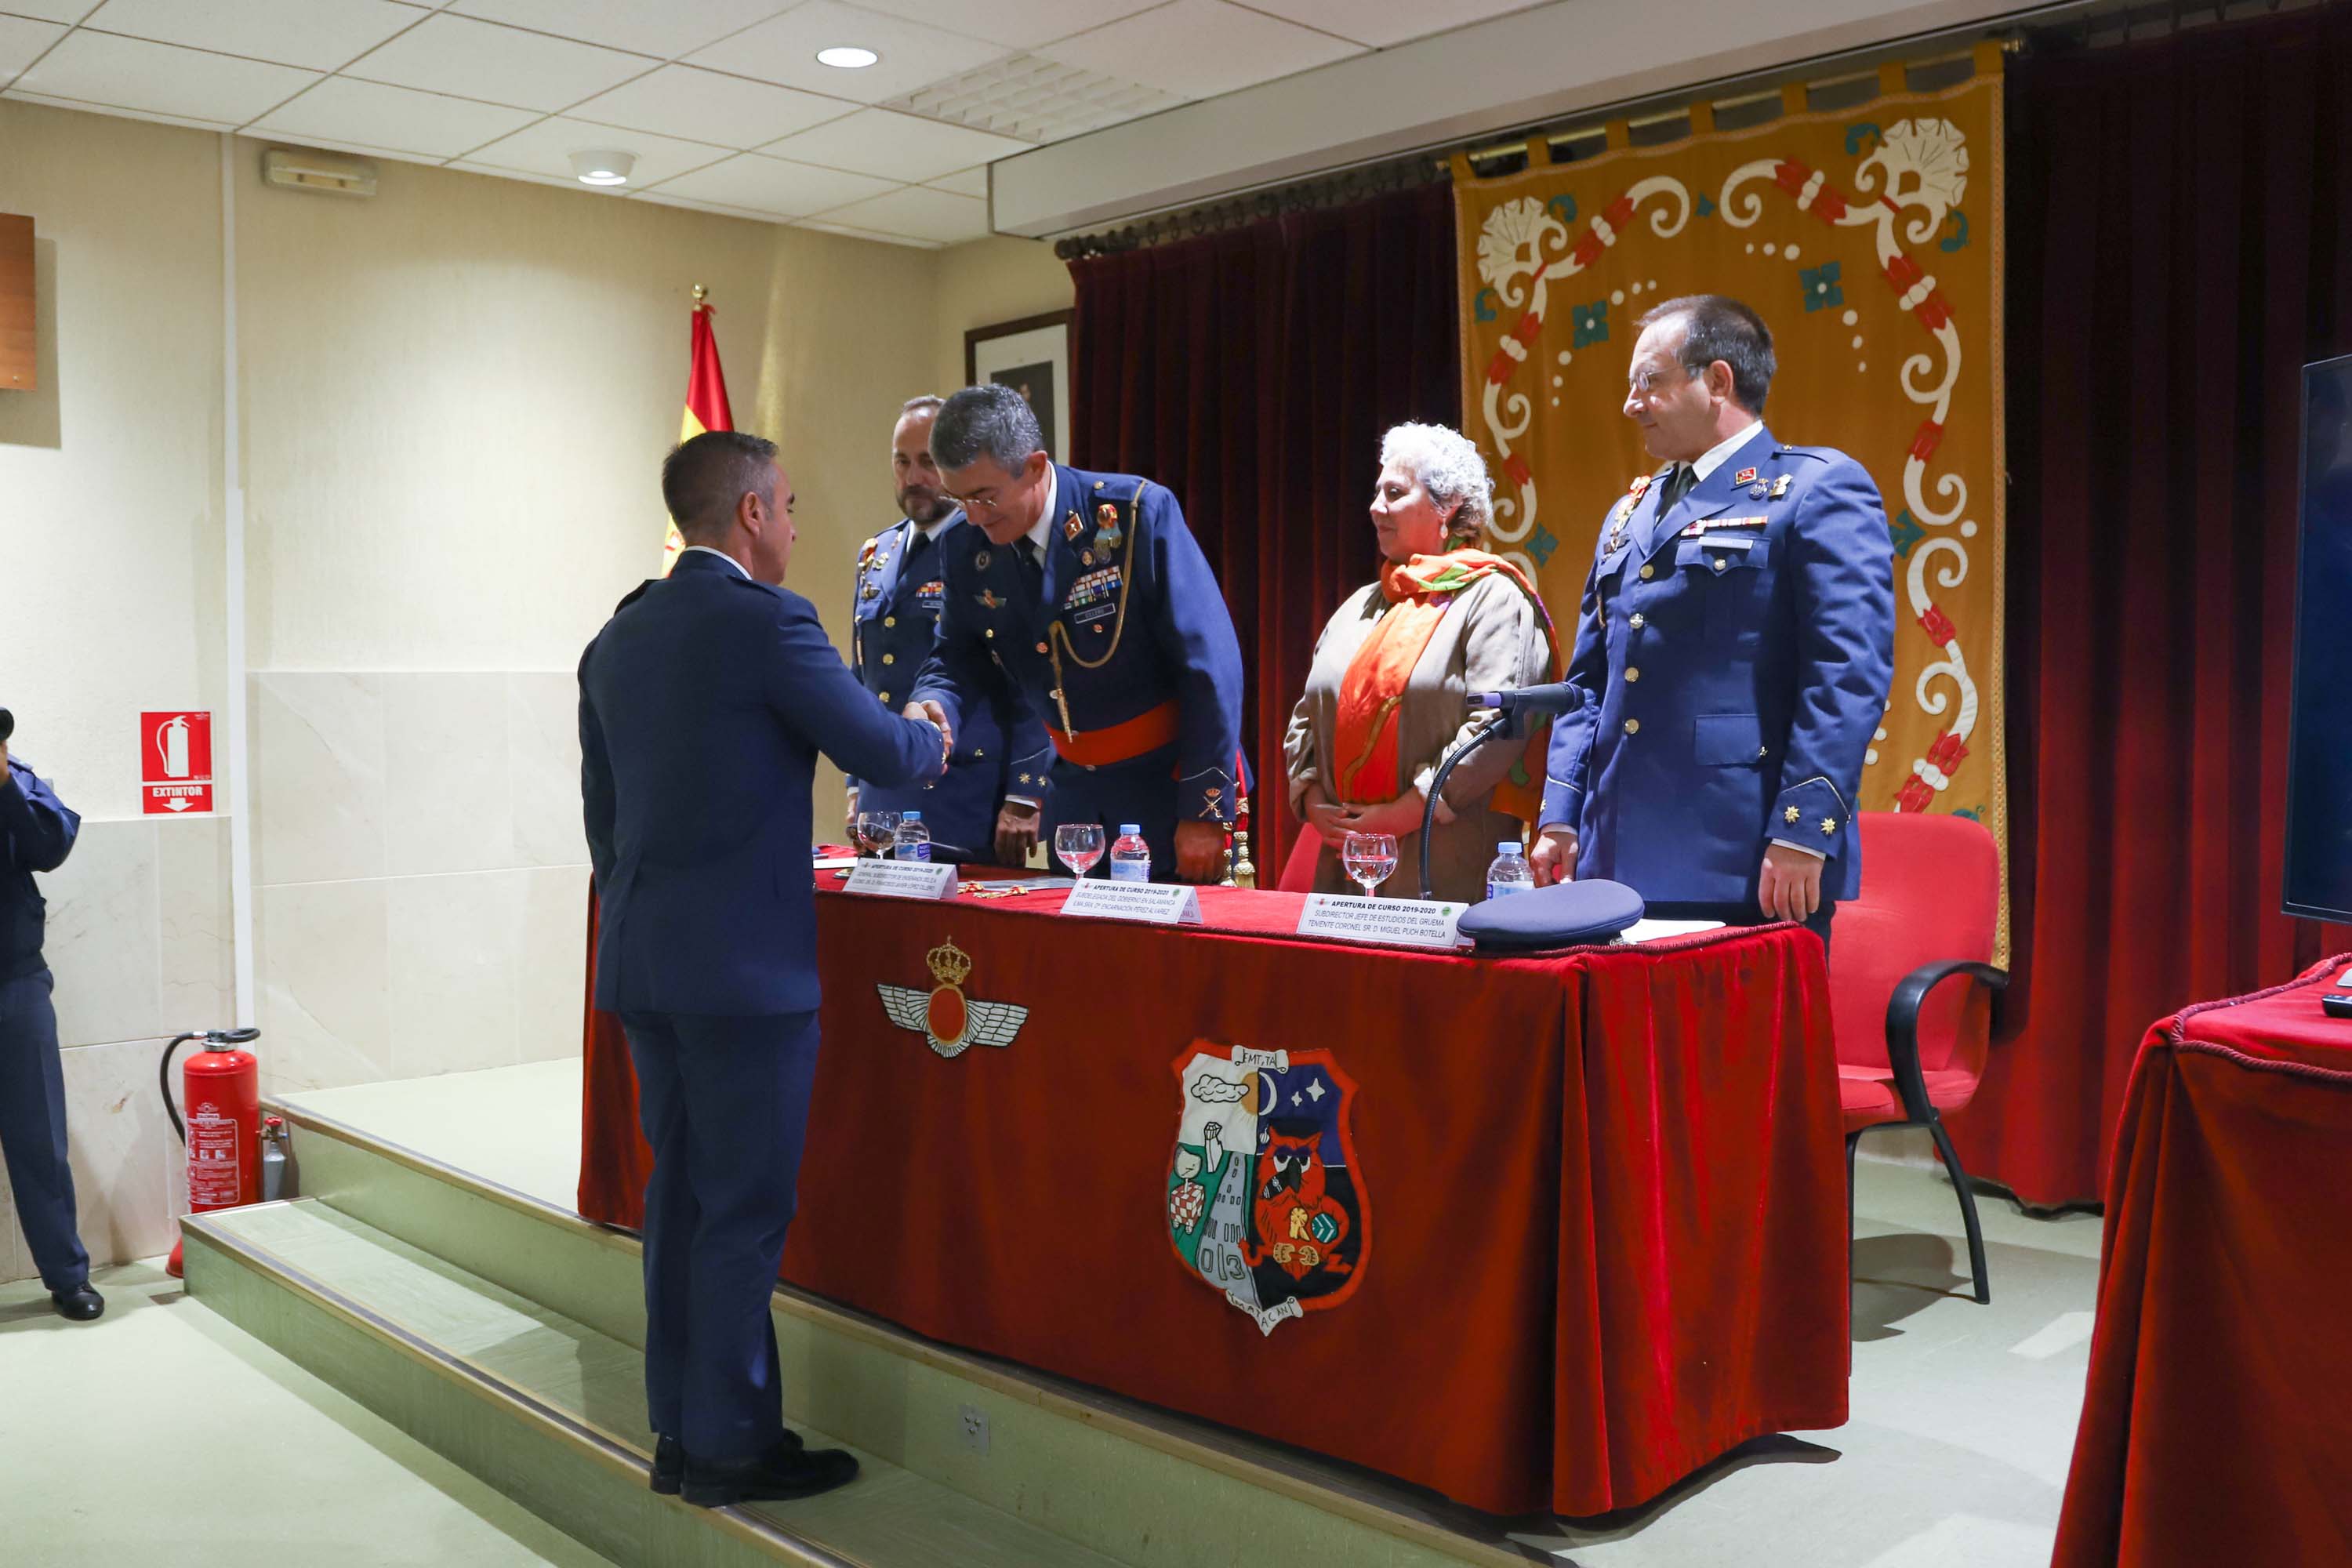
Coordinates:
<point>901,585</point>
<point>1087,594</point>
<point>1735,645</point>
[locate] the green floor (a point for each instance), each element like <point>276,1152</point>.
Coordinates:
<point>161,1434</point>
<point>890,1516</point>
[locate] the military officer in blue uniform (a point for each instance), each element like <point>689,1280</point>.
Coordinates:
<point>1734,646</point>
<point>1087,594</point>
<point>703,704</point>
<point>895,611</point>
<point>37,834</point>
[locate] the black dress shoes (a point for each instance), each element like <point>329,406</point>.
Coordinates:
<point>80,1305</point>
<point>669,1461</point>
<point>787,1471</point>
<point>669,1465</point>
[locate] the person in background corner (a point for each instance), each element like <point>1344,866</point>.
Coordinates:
<point>37,834</point>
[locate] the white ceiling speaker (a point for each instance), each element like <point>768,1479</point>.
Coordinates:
<point>300,169</point>
<point>606,168</point>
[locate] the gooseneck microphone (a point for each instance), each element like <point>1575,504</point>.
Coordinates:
<point>1559,697</point>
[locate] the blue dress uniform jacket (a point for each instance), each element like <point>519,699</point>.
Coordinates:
<point>900,588</point>
<point>37,834</point>
<point>1128,640</point>
<point>703,704</point>
<point>1735,656</point>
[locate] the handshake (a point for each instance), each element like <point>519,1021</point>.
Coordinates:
<point>931,713</point>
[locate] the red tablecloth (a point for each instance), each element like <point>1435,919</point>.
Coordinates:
<point>2218,1424</point>
<point>1590,1206</point>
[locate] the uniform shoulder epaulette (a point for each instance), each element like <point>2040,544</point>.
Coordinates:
<point>1819,454</point>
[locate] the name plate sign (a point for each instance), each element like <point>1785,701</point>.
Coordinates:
<point>903,879</point>
<point>1395,922</point>
<point>1159,904</point>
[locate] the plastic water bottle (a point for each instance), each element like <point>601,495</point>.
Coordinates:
<point>1130,857</point>
<point>1508,871</point>
<point>913,840</point>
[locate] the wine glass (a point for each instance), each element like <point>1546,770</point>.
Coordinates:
<point>876,829</point>
<point>1370,857</point>
<point>1078,845</point>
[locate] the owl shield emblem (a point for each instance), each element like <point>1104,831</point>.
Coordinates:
<point>952,1022</point>
<point>1265,1205</point>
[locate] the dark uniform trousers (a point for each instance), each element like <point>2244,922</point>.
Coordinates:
<point>716,1207</point>
<point>32,1130</point>
<point>37,834</point>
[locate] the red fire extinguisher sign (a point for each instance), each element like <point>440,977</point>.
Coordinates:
<point>176,754</point>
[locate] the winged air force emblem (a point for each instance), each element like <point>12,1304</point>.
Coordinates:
<point>951,1021</point>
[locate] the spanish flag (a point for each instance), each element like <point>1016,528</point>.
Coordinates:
<point>706,403</point>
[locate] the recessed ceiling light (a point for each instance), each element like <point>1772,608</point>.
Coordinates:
<point>846,57</point>
<point>604,168</point>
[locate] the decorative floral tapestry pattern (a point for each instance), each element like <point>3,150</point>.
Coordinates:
<point>1869,239</point>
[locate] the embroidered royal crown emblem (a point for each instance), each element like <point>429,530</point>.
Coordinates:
<point>952,1022</point>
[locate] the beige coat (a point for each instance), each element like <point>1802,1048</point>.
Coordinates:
<point>1491,637</point>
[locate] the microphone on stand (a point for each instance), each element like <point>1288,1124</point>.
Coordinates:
<point>1559,697</point>
<point>1510,708</point>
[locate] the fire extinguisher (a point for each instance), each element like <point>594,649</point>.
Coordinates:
<point>222,1088</point>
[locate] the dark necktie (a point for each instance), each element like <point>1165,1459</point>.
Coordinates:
<point>1677,485</point>
<point>1033,570</point>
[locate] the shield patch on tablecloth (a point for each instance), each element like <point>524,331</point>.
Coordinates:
<point>1265,1204</point>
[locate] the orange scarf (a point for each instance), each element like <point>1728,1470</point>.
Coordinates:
<point>1364,743</point>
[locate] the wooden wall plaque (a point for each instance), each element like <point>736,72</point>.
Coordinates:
<point>18,348</point>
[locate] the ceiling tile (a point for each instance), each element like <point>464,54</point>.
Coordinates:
<point>358,149</point>
<point>783,50</point>
<point>1381,22</point>
<point>547,147</point>
<point>895,146</point>
<point>22,41</point>
<point>130,73</point>
<point>964,183</point>
<point>320,33</point>
<point>918,213</point>
<point>772,186</point>
<point>1200,48</point>
<point>113,112</point>
<point>824,226</point>
<point>65,11</point>
<point>705,106</point>
<point>663,28</point>
<point>496,65</point>
<point>341,110</point>
<point>1025,23</point>
<point>663,198</point>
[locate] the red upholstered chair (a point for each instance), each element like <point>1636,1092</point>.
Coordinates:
<point>1910,1046</point>
<point>1298,866</point>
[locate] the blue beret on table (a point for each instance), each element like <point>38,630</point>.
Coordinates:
<point>1565,914</point>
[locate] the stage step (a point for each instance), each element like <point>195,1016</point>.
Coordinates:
<point>551,1411</point>
<point>1135,1486</point>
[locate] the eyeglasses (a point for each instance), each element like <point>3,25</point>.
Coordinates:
<point>1645,381</point>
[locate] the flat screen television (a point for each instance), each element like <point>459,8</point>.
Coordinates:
<point>2318,882</point>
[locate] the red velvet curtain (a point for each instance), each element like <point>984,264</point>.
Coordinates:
<point>2181,226</point>
<point>1252,373</point>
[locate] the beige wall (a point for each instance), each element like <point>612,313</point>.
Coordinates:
<point>992,280</point>
<point>454,400</point>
